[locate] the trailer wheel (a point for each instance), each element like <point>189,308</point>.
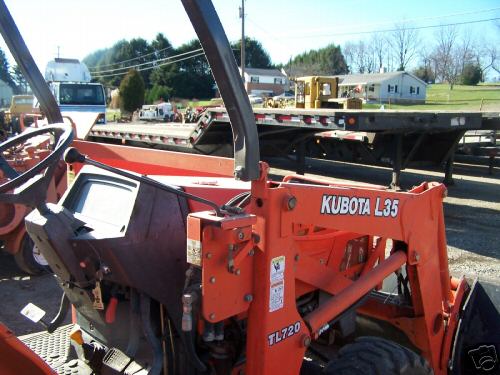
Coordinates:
<point>373,356</point>
<point>29,259</point>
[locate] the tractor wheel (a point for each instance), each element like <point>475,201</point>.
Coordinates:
<point>374,356</point>
<point>29,259</point>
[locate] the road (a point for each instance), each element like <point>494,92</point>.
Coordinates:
<point>472,215</point>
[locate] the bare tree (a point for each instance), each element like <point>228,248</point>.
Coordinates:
<point>349,52</point>
<point>466,50</point>
<point>359,57</point>
<point>404,42</point>
<point>487,56</point>
<point>446,56</point>
<point>379,43</point>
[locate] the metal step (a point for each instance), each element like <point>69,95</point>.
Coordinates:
<point>55,349</point>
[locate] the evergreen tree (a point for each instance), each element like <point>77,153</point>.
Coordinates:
<point>255,55</point>
<point>131,91</point>
<point>324,61</point>
<point>4,71</point>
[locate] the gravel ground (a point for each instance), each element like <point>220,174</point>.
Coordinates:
<point>472,214</point>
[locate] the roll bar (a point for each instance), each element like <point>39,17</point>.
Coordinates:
<point>220,57</point>
<point>25,62</point>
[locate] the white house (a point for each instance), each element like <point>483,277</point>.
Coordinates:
<point>5,94</point>
<point>265,81</point>
<point>402,87</point>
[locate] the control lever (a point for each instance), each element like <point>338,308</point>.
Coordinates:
<point>72,155</point>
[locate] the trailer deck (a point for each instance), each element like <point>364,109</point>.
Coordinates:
<point>393,138</point>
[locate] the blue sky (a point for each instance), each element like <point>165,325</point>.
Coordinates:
<point>285,28</point>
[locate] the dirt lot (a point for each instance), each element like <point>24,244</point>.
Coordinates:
<point>472,212</point>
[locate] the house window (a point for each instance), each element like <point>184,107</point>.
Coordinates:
<point>396,88</point>
<point>278,81</point>
<point>371,88</point>
<point>390,88</point>
<point>418,90</point>
<point>254,79</point>
<point>412,90</point>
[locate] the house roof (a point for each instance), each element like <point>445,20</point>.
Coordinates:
<point>364,79</point>
<point>264,72</point>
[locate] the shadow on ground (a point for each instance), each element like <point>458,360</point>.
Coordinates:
<point>18,288</point>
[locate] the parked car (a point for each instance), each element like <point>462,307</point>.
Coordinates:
<point>255,99</point>
<point>286,95</point>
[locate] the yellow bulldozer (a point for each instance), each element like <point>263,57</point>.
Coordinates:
<point>313,92</point>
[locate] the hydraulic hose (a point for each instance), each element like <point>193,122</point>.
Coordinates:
<point>133,341</point>
<point>154,342</point>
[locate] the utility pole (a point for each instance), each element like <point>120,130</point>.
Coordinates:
<point>242,16</point>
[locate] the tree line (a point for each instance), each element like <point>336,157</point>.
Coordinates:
<point>12,75</point>
<point>452,55</point>
<point>179,75</point>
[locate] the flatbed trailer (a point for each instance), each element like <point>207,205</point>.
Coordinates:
<point>395,138</point>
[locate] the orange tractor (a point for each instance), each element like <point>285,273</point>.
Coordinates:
<point>180,269</point>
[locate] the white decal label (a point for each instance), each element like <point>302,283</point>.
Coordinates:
<point>33,312</point>
<point>277,268</point>
<point>276,295</point>
<point>359,206</point>
<point>284,333</point>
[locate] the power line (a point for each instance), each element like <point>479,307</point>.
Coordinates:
<point>148,62</point>
<point>391,30</point>
<point>354,26</point>
<point>132,59</point>
<point>152,67</point>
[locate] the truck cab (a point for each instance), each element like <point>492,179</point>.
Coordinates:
<point>70,83</point>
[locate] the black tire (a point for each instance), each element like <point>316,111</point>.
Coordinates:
<point>377,356</point>
<point>26,259</point>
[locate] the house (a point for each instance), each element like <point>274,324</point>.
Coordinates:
<point>266,82</point>
<point>5,94</point>
<point>402,87</point>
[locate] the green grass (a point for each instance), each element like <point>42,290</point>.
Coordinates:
<point>485,97</point>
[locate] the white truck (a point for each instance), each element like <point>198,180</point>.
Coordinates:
<point>157,112</point>
<point>69,81</point>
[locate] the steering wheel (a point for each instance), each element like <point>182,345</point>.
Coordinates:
<point>30,187</point>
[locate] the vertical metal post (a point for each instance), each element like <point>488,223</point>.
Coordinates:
<point>242,16</point>
<point>397,162</point>
<point>301,157</point>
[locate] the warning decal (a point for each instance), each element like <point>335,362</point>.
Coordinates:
<point>277,288</point>
<point>277,268</point>
<point>276,296</point>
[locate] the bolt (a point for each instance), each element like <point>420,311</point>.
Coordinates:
<point>256,238</point>
<point>248,298</point>
<point>251,252</point>
<point>416,256</point>
<point>322,261</point>
<point>209,255</point>
<point>106,270</point>
<point>212,280</point>
<point>237,272</point>
<point>297,257</point>
<point>211,316</point>
<point>291,203</point>
<point>306,340</point>
<point>241,235</point>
